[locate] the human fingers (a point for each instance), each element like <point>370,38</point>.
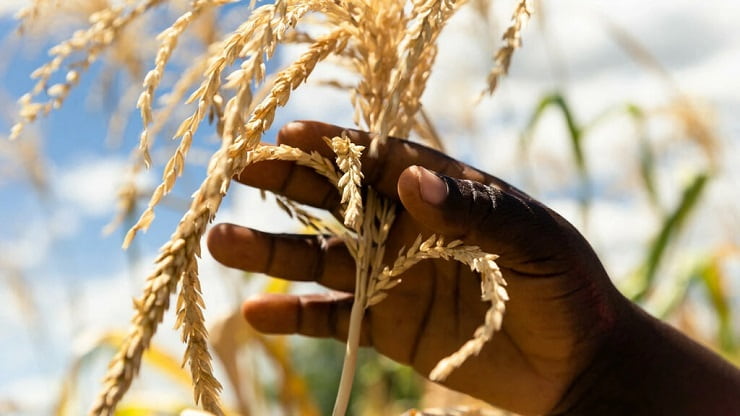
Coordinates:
<point>382,170</point>
<point>315,315</point>
<point>287,256</point>
<point>523,231</point>
<point>299,183</point>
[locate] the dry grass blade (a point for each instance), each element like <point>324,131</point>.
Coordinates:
<point>492,290</point>
<point>512,40</point>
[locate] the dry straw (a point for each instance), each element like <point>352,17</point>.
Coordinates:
<point>392,67</point>
<point>492,290</point>
<point>105,27</point>
<point>512,40</point>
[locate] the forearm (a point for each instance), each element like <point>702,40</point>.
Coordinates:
<point>648,368</point>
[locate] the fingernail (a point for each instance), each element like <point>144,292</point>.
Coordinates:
<point>433,189</point>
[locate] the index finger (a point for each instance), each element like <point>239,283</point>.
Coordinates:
<point>394,156</point>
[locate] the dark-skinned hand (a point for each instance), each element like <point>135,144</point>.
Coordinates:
<point>563,317</point>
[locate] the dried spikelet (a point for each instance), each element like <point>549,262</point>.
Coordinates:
<point>304,217</point>
<point>178,255</point>
<point>195,335</point>
<point>168,39</point>
<point>426,131</point>
<point>105,27</point>
<point>431,16</point>
<point>175,96</point>
<point>492,290</point>
<point>348,160</point>
<point>31,12</point>
<point>266,24</point>
<point>512,40</point>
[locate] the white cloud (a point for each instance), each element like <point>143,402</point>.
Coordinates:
<point>10,7</point>
<point>91,185</point>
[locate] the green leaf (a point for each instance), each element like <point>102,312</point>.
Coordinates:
<point>639,284</point>
<point>712,277</point>
<point>575,133</point>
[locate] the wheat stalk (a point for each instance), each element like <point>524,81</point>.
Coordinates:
<point>367,249</point>
<point>492,290</point>
<point>177,255</point>
<point>168,39</point>
<point>393,65</point>
<point>512,40</point>
<point>105,26</point>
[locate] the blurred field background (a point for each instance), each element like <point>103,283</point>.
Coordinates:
<point>621,116</point>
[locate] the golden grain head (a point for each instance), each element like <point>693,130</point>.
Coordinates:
<point>393,67</point>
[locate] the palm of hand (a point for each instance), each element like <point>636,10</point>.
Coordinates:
<point>560,294</point>
<point>437,307</point>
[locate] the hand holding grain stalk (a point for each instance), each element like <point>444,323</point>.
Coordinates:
<point>569,342</point>
<point>437,307</point>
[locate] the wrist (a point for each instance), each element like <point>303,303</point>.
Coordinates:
<point>645,367</point>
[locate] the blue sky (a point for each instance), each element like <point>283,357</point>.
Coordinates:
<point>77,275</point>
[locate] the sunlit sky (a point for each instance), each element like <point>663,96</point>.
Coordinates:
<point>81,281</point>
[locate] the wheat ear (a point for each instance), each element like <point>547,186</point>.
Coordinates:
<point>512,40</point>
<point>348,160</point>
<point>168,38</point>
<point>195,335</point>
<point>492,290</point>
<point>418,45</point>
<point>257,37</point>
<point>178,255</point>
<point>105,26</point>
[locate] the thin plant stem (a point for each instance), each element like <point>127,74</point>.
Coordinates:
<point>350,358</point>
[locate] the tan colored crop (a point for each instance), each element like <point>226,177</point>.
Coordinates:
<point>390,45</point>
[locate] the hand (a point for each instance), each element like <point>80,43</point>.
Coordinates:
<point>562,302</point>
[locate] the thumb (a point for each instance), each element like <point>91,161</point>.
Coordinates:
<point>496,217</point>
